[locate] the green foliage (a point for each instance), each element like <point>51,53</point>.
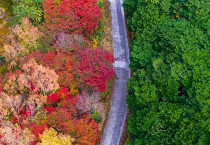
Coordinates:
<point>3,69</point>
<point>169,92</point>
<point>147,13</point>
<point>97,117</point>
<point>27,8</point>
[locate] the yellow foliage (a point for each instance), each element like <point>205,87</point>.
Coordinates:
<point>51,137</point>
<point>73,89</point>
<point>95,42</point>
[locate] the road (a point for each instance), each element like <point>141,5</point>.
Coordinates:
<point>118,111</point>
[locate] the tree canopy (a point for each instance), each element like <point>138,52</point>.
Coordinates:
<point>169,92</point>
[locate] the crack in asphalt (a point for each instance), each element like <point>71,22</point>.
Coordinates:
<point>118,110</point>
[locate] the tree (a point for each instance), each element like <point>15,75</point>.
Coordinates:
<point>72,16</point>
<point>167,100</point>
<point>27,8</point>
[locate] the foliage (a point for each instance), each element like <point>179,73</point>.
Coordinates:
<point>4,26</point>
<point>35,78</point>
<point>27,8</point>
<point>28,35</point>
<point>10,134</point>
<point>24,93</point>
<point>71,15</point>
<point>61,63</point>
<point>51,137</point>
<point>97,117</point>
<point>84,130</point>
<point>69,42</point>
<point>37,129</point>
<point>6,5</point>
<point>61,99</point>
<point>147,13</point>
<point>93,68</point>
<point>12,50</point>
<point>90,69</point>
<point>40,67</point>
<point>88,103</point>
<point>168,94</point>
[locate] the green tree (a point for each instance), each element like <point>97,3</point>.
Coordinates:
<point>27,8</point>
<point>168,95</point>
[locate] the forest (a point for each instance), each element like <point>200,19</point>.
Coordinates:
<point>168,93</point>
<point>55,73</point>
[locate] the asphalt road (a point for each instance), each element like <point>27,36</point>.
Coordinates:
<point>118,111</point>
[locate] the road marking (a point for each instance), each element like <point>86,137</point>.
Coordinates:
<point>121,64</point>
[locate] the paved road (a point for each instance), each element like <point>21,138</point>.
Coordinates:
<point>118,111</point>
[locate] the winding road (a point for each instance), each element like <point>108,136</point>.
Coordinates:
<point>118,111</point>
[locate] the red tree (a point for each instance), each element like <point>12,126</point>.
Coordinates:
<point>60,62</point>
<point>93,68</point>
<point>80,16</point>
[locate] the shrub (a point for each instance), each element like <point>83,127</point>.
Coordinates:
<point>72,15</point>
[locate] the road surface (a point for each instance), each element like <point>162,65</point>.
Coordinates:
<point>118,111</point>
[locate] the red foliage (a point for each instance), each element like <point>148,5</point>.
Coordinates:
<point>69,105</point>
<point>90,69</point>
<point>59,61</point>
<point>4,78</point>
<point>61,99</point>
<point>58,117</point>
<point>93,68</point>
<point>84,130</point>
<point>80,16</point>
<point>38,129</point>
<point>49,108</point>
<point>63,93</point>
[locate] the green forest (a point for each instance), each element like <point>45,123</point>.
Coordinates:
<point>168,93</point>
